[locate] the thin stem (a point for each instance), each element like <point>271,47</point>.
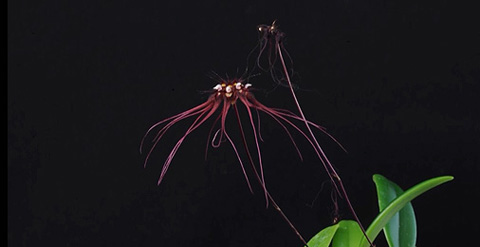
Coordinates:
<point>272,201</point>
<point>330,169</point>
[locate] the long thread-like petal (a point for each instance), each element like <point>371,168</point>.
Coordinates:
<point>177,117</point>
<point>255,135</point>
<point>198,121</point>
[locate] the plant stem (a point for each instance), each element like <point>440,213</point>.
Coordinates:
<point>332,173</point>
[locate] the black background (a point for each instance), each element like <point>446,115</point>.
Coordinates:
<point>396,82</point>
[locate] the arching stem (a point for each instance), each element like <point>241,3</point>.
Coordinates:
<point>328,166</point>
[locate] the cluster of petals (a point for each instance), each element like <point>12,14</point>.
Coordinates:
<point>224,96</point>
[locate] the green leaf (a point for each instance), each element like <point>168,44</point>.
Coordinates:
<point>324,237</point>
<point>396,205</point>
<point>401,230</point>
<point>348,234</point>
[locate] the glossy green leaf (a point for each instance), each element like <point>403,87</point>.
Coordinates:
<point>396,205</point>
<point>401,230</point>
<point>348,234</point>
<point>324,237</point>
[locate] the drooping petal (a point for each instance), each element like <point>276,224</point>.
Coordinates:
<point>193,111</point>
<point>239,160</point>
<point>320,154</point>
<point>257,145</point>
<point>197,123</point>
